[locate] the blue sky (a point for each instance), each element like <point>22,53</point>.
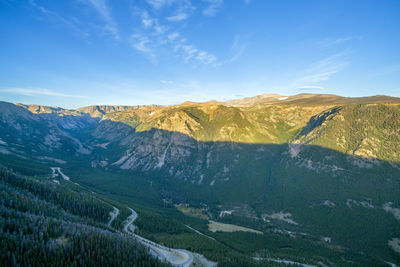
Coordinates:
<point>82,52</point>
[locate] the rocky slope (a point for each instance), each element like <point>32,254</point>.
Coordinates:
<point>167,138</point>
<point>292,167</point>
<point>315,99</point>
<point>26,135</point>
<point>100,110</point>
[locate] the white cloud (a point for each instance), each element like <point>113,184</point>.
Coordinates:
<point>178,17</point>
<point>157,4</point>
<point>146,20</point>
<point>103,10</point>
<point>37,92</point>
<point>189,52</point>
<point>213,7</point>
<point>142,44</point>
<point>154,36</point>
<point>173,36</point>
<point>206,58</point>
<point>152,23</point>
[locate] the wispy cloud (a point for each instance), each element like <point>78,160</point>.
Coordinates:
<point>143,44</point>
<point>310,87</point>
<point>328,42</point>
<point>71,23</point>
<point>160,3</point>
<point>178,17</point>
<point>323,69</point>
<point>159,34</point>
<point>146,20</point>
<point>167,82</point>
<point>184,9</point>
<point>154,36</point>
<point>213,7</point>
<point>318,77</point>
<point>152,23</point>
<point>189,53</point>
<point>104,12</point>
<point>173,36</point>
<point>236,51</point>
<point>320,71</point>
<point>36,92</point>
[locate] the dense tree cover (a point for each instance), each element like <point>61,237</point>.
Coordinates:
<point>74,202</point>
<point>42,224</point>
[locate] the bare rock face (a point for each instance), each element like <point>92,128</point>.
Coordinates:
<point>26,132</point>
<point>66,119</point>
<point>101,110</point>
<point>201,141</point>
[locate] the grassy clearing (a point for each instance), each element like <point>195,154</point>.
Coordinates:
<point>224,227</point>
<point>192,212</point>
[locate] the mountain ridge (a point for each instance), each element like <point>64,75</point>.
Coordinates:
<point>282,169</point>
<point>267,98</point>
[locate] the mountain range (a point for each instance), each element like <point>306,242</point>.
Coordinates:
<point>318,174</point>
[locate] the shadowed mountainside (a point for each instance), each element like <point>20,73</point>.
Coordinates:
<point>326,170</point>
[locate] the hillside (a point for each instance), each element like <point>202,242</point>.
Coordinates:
<point>310,172</point>
<point>45,222</point>
<point>310,99</point>
<point>100,110</point>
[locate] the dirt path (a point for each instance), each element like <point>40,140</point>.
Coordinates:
<point>200,233</point>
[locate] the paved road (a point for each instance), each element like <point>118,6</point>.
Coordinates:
<point>176,257</point>
<point>113,216</point>
<point>58,169</point>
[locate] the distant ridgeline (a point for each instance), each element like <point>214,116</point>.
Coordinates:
<point>316,174</point>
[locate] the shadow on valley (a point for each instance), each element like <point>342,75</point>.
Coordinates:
<point>308,188</point>
<point>186,169</point>
<point>278,188</point>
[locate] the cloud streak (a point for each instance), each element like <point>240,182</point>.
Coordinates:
<point>310,87</point>
<point>213,7</point>
<point>236,51</point>
<point>328,42</point>
<point>322,70</point>
<point>72,24</point>
<point>178,17</point>
<point>154,36</point>
<point>37,92</point>
<point>103,10</point>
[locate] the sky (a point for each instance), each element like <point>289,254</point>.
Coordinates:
<point>135,52</point>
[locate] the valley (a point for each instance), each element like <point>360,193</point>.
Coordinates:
<point>310,179</point>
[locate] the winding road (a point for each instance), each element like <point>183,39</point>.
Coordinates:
<point>176,257</point>
<point>58,169</point>
<point>114,215</point>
